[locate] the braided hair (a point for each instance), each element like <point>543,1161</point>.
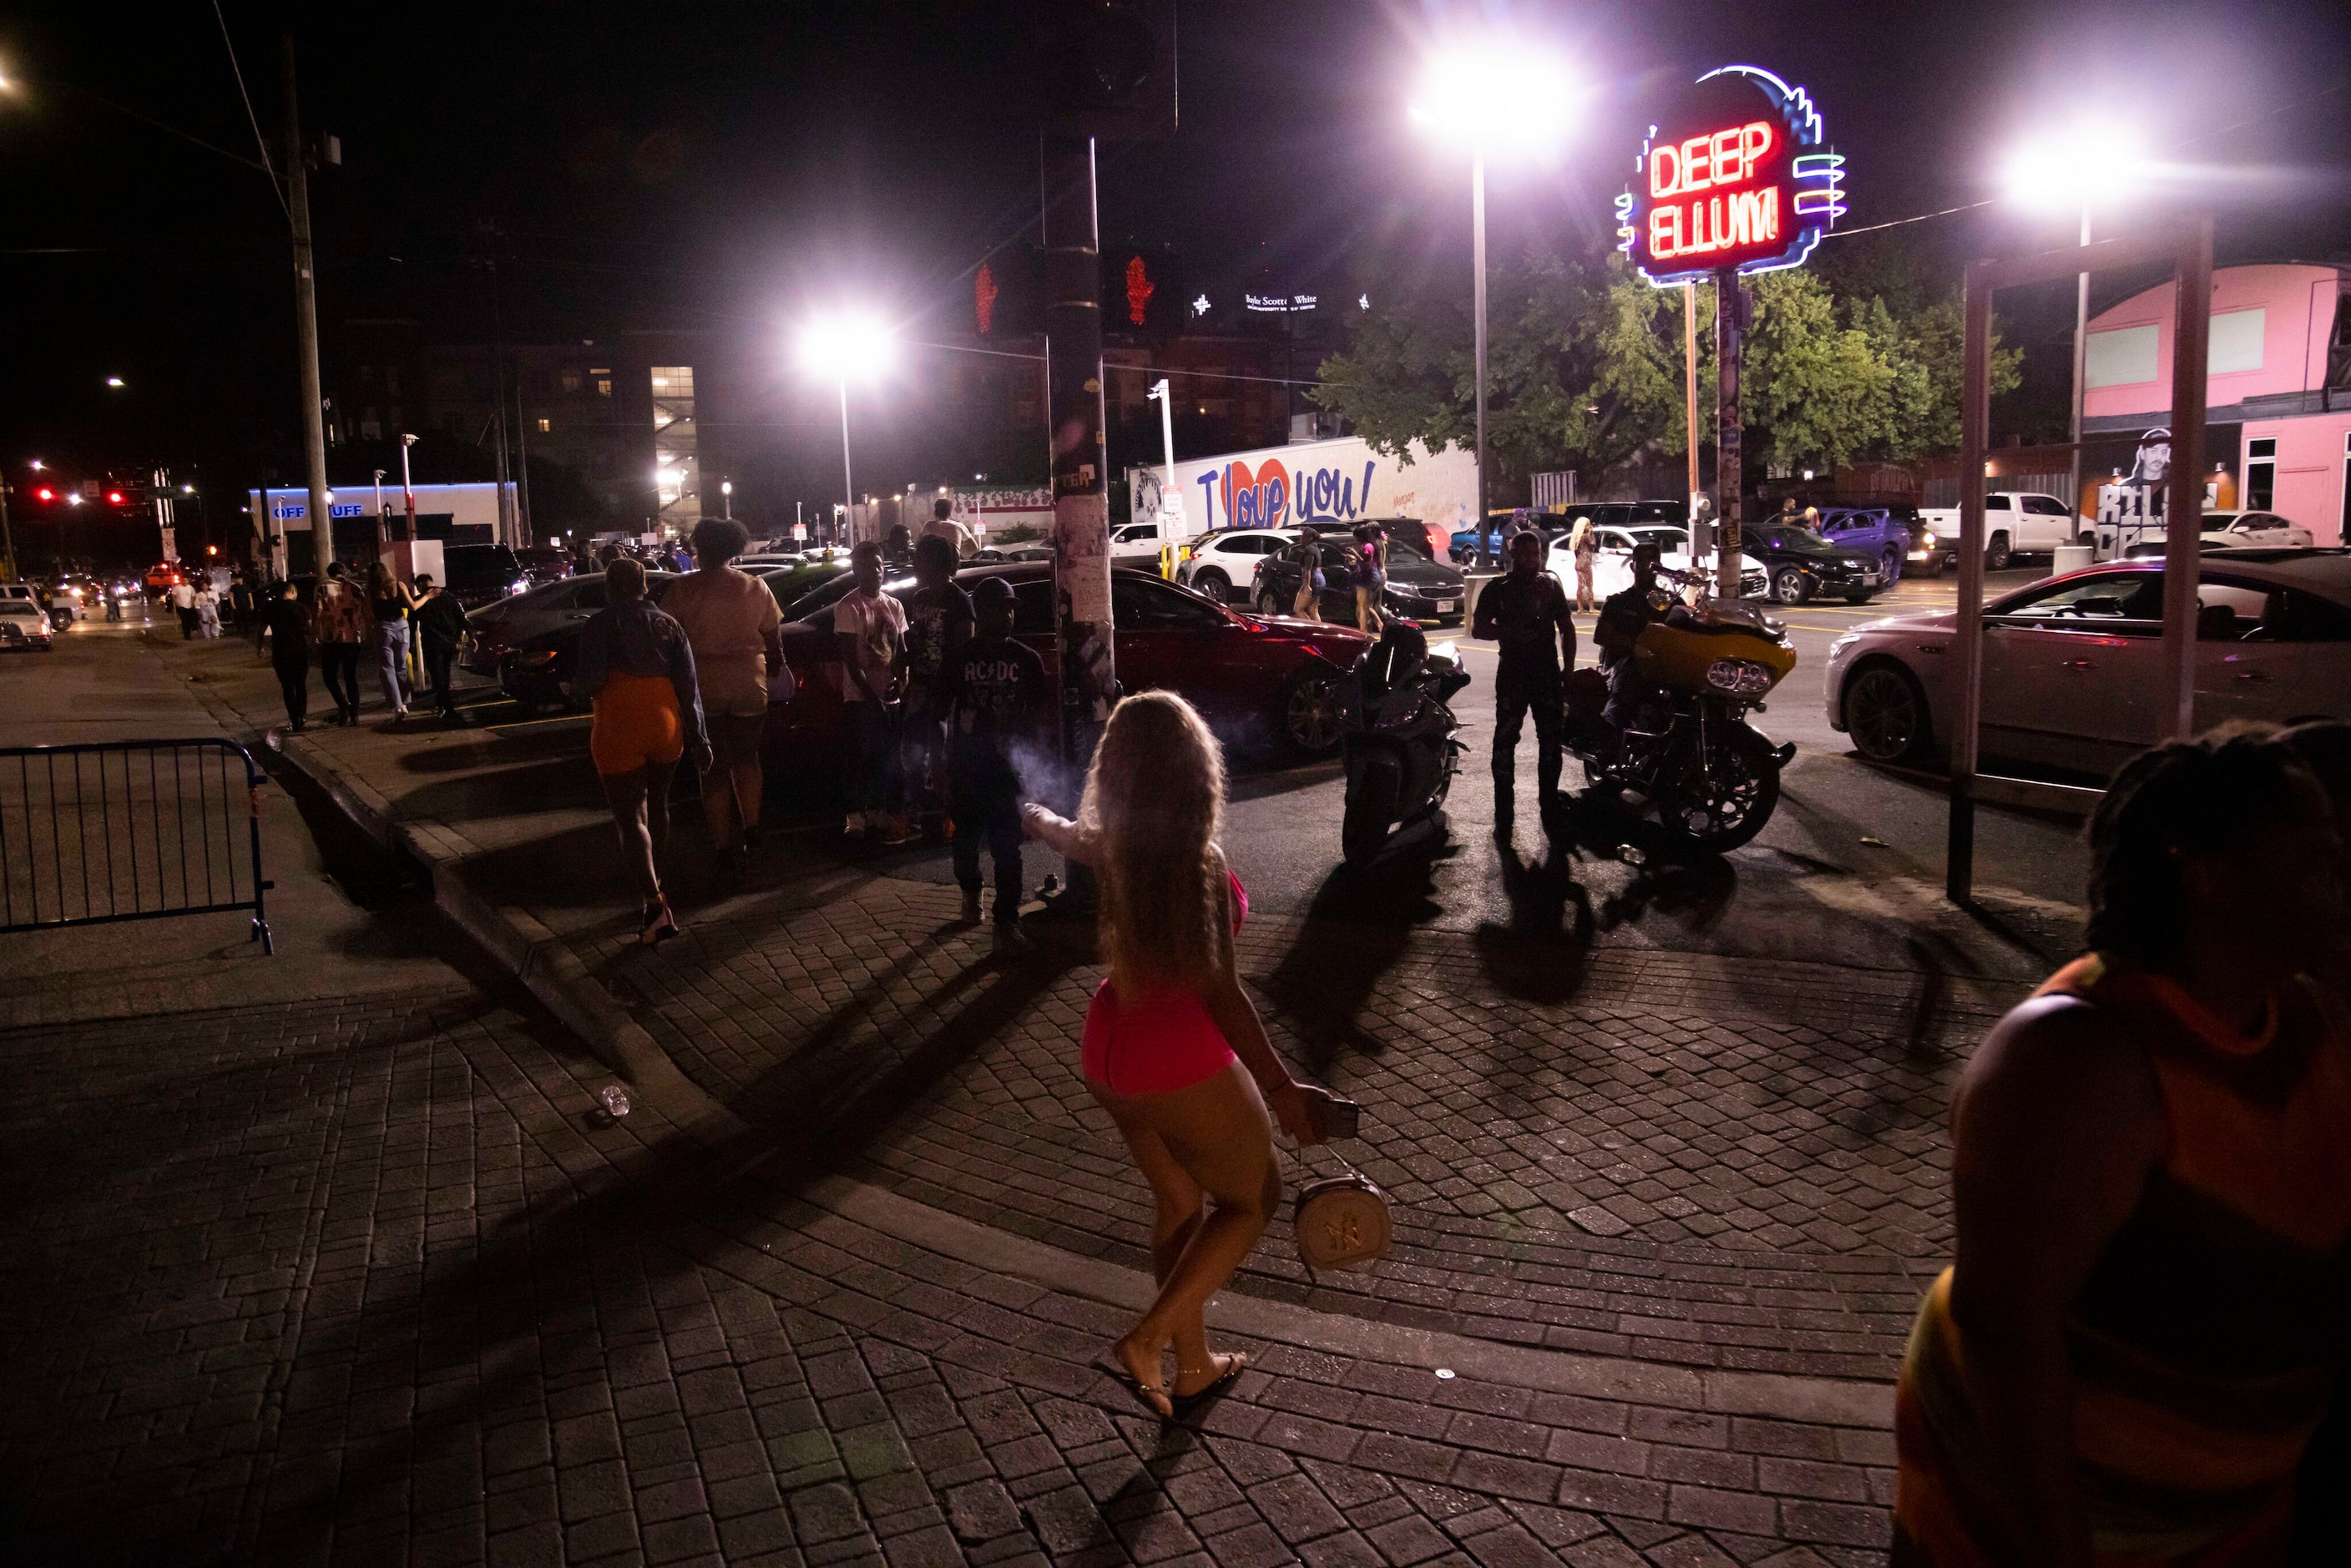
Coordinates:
<point>2185,798</point>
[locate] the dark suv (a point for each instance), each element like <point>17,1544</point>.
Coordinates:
<point>477,575</point>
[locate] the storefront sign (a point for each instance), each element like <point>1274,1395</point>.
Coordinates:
<point>1735,173</point>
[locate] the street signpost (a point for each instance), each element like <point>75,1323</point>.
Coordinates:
<point>1735,177</point>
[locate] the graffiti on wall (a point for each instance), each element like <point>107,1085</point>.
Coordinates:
<point>1273,496</point>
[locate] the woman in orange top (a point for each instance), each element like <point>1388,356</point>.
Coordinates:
<point>2153,1186</point>
<point>637,667</point>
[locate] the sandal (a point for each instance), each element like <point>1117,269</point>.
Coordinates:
<point>1185,1403</point>
<point>659,924</point>
<point>1151,1398</point>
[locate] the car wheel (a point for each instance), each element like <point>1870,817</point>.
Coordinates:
<point>1307,715</point>
<point>1789,587</point>
<point>1215,585</point>
<point>1885,714</point>
<point>1996,555</point>
<point>1266,604</point>
<point>1890,565</point>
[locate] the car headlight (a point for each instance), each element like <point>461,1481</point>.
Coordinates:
<point>518,585</point>
<point>1927,538</point>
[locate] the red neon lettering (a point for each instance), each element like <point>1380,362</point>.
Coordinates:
<point>1699,225</point>
<point>1664,170</point>
<point>1704,162</point>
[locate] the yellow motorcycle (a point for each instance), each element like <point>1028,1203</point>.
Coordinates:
<point>1685,746</point>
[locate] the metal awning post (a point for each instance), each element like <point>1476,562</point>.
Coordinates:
<point>1975,433</point>
<point>2188,250</point>
<point>2183,546</point>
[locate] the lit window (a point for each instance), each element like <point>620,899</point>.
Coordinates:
<point>546,425</point>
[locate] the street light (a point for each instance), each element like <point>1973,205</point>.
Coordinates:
<point>727,497</point>
<point>1497,96</point>
<point>838,347</point>
<point>2088,162</point>
<point>114,382</point>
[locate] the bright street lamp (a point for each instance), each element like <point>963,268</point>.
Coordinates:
<point>1499,97</point>
<point>726,496</point>
<point>840,347</point>
<point>2090,162</point>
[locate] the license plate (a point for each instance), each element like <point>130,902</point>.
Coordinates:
<point>1445,606</point>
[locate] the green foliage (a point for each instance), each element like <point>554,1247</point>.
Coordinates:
<point>1585,365</point>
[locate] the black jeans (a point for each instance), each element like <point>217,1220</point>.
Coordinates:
<point>294,684</point>
<point>338,666</point>
<point>1519,692</point>
<point>984,798</point>
<point>438,656</point>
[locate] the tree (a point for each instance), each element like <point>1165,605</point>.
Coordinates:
<point>1584,365</point>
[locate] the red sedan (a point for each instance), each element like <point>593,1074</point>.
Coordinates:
<point>1258,680</point>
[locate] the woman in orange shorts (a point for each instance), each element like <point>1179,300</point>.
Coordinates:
<point>638,669</point>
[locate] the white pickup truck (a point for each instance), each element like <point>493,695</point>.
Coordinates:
<point>2016,522</point>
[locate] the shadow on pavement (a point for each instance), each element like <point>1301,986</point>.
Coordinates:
<point>1358,924</point>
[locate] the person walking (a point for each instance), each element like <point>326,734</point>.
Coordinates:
<point>286,625</point>
<point>207,612</point>
<point>996,700</point>
<point>871,628</point>
<point>1584,544</point>
<point>938,622</point>
<point>1173,1049</point>
<point>340,626</point>
<point>183,601</point>
<point>1306,555</point>
<point>389,602</point>
<point>636,667</point>
<point>733,625</point>
<point>439,623</point>
<point>2147,1302</point>
<point>942,526</point>
<point>1526,612</point>
<point>1371,577</point>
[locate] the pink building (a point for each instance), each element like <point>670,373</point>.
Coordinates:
<point>2278,393</point>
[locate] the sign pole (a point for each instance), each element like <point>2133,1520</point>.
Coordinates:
<point>1689,402</point>
<point>1729,326</point>
<point>1088,678</point>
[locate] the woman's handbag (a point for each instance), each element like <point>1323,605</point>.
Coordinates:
<point>1341,1222</point>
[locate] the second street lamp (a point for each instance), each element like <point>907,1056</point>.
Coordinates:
<point>1498,97</point>
<point>840,348</point>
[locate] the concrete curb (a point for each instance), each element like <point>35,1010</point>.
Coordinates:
<point>1836,1402</point>
<point>526,948</point>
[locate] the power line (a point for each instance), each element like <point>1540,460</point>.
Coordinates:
<point>250,118</point>
<point>171,130</point>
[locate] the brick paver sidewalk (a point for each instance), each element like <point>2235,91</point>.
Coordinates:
<point>362,1283</point>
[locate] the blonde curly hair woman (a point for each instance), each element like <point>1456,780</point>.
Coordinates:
<point>1174,1048</point>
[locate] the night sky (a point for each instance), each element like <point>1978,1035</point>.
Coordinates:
<point>733,166</point>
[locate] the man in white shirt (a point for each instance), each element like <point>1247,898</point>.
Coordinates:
<point>942,526</point>
<point>871,627</point>
<point>183,599</point>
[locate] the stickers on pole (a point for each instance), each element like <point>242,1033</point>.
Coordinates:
<point>1735,172</point>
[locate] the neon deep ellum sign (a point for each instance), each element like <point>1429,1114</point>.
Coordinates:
<point>1735,173</point>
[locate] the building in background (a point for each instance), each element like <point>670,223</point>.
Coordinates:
<point>285,541</point>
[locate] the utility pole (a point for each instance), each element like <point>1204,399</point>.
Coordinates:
<point>7,537</point>
<point>1690,411</point>
<point>522,458</point>
<point>498,379</point>
<point>306,324</point>
<point>1074,332</point>
<point>1729,326</point>
<point>1477,310</point>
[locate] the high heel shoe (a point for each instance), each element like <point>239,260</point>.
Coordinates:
<point>660,923</point>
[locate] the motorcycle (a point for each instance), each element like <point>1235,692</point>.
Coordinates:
<point>1399,736</point>
<point>1688,749</point>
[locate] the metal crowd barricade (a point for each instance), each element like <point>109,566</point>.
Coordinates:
<point>134,830</point>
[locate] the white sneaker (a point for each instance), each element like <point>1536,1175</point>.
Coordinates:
<point>855,825</point>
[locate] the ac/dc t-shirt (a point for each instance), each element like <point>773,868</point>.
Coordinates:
<point>995,693</point>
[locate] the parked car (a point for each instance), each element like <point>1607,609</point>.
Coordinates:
<point>1134,542</point>
<point>161,578</point>
<point>544,563</point>
<point>2016,522</point>
<point>790,584</point>
<point>1418,589</point>
<point>24,628</point>
<point>2222,530</point>
<point>1223,563</point>
<point>1799,565</point>
<point>481,574</point>
<point>2072,664</point>
<point>1260,682</point>
<point>1612,569</point>
<point>1882,532</point>
<point>529,642</point>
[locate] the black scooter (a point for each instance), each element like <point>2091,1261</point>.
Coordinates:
<point>1398,733</point>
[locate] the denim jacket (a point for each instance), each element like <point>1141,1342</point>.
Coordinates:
<point>634,638</point>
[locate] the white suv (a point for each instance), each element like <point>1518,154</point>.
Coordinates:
<point>1223,564</point>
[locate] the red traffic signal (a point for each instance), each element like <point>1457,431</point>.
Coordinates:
<point>46,494</point>
<point>114,498</point>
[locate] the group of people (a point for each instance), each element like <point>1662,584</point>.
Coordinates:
<point>1366,569</point>
<point>347,619</point>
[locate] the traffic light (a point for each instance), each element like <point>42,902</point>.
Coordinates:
<point>46,495</point>
<point>1143,291</point>
<point>114,498</point>
<point>1112,69</point>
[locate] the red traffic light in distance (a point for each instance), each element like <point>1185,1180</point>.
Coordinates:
<point>46,494</point>
<point>114,498</point>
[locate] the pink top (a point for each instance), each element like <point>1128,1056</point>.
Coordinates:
<point>1165,1041</point>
